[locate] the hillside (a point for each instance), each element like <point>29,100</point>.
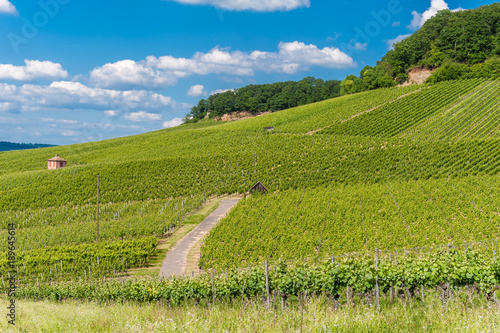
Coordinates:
<point>460,44</point>
<point>375,154</point>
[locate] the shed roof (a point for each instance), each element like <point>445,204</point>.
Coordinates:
<point>259,187</point>
<point>57,159</point>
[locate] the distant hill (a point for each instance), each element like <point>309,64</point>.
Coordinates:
<point>463,44</point>
<point>265,97</point>
<point>8,146</point>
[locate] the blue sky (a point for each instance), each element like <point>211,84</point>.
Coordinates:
<point>77,71</point>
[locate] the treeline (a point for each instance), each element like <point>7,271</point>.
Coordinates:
<point>266,97</point>
<point>7,146</point>
<point>463,44</point>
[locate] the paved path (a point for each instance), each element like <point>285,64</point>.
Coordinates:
<point>175,262</point>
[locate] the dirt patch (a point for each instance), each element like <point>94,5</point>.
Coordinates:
<point>417,75</point>
<point>240,115</point>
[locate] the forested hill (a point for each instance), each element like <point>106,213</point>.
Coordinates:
<point>266,97</point>
<point>7,146</point>
<point>463,44</point>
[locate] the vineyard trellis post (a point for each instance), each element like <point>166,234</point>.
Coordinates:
<point>267,284</point>
<point>97,225</point>
<point>377,287</point>
<point>213,288</point>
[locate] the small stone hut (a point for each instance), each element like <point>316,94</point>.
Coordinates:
<point>57,163</point>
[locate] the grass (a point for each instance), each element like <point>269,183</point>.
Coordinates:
<point>189,223</point>
<point>202,214</point>
<point>317,315</point>
<point>193,258</point>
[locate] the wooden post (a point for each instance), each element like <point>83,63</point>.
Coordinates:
<point>348,295</point>
<point>377,288</point>
<point>213,288</point>
<point>97,226</point>
<point>267,284</point>
<point>392,287</point>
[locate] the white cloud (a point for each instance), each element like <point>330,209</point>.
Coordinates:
<point>290,58</point>
<point>111,113</point>
<point>396,40</point>
<point>197,91</point>
<point>419,19</point>
<point>6,106</point>
<point>59,121</point>
<point>172,123</point>
<point>128,74</point>
<point>7,8</point>
<point>360,46</point>
<point>310,55</point>
<point>33,70</point>
<point>65,95</point>
<point>396,24</point>
<point>255,5</point>
<point>142,116</point>
<point>220,91</point>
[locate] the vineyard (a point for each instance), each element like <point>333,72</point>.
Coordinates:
<point>70,225</point>
<point>474,118</point>
<point>405,275</point>
<point>58,243</point>
<point>390,120</point>
<point>390,168</point>
<point>89,261</point>
<point>312,223</point>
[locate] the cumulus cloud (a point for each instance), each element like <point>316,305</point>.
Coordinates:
<point>254,5</point>
<point>420,18</point>
<point>33,70</point>
<point>142,116</point>
<point>7,8</point>
<point>197,91</point>
<point>112,113</point>
<point>172,123</point>
<point>360,46</point>
<point>290,58</point>
<point>396,40</point>
<point>220,91</point>
<point>128,74</point>
<point>65,95</point>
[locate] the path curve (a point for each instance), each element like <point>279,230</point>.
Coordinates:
<point>175,262</point>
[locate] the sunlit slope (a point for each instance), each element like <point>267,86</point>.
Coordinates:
<point>164,143</point>
<point>390,120</point>
<point>333,220</point>
<point>227,158</point>
<point>475,117</point>
<point>387,168</point>
<point>313,117</point>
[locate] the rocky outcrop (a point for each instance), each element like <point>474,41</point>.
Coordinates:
<point>239,115</point>
<point>417,75</point>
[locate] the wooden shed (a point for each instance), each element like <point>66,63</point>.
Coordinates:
<point>258,188</point>
<point>57,163</point>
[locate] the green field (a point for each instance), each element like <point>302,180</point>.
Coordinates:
<point>387,169</point>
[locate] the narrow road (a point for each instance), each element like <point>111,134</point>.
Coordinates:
<point>175,262</point>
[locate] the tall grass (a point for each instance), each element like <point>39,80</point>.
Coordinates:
<point>316,315</point>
